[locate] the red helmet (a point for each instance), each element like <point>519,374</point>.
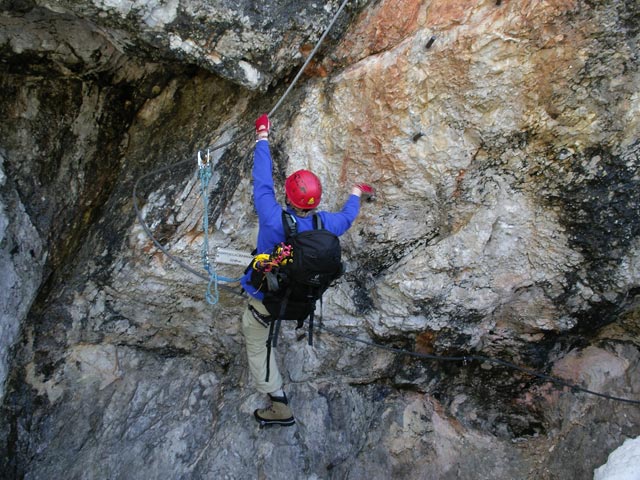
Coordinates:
<point>303,189</point>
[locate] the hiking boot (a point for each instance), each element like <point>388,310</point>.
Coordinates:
<point>278,413</point>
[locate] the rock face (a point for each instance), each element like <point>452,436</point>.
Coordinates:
<point>249,43</point>
<point>503,141</point>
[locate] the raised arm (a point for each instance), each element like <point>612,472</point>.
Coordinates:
<point>264,195</point>
<point>340,222</point>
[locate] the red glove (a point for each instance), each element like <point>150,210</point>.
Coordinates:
<point>263,125</point>
<point>367,191</point>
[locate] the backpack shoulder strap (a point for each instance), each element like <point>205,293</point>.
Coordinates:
<point>290,225</point>
<point>317,222</point>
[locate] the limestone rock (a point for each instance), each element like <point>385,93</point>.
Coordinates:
<point>503,142</point>
<point>251,43</point>
<point>622,463</point>
<point>21,261</point>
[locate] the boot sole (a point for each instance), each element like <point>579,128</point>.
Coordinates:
<point>269,423</point>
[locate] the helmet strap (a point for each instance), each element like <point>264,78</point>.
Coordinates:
<point>303,213</point>
<point>300,212</point>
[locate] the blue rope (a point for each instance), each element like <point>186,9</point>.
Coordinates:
<point>211,297</point>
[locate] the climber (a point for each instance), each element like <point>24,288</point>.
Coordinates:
<point>303,192</point>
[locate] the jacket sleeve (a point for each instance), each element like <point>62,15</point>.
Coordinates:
<point>269,211</point>
<point>264,195</point>
<point>340,222</point>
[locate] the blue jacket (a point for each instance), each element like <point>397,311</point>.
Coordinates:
<point>270,228</point>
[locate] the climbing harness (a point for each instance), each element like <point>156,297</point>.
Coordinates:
<point>266,262</point>
<point>205,174</point>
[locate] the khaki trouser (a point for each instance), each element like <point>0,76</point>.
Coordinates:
<point>255,336</point>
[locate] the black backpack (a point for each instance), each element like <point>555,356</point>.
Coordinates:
<point>305,265</point>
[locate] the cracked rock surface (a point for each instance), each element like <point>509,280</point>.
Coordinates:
<point>503,139</point>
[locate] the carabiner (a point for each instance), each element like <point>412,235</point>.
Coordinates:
<point>204,163</point>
